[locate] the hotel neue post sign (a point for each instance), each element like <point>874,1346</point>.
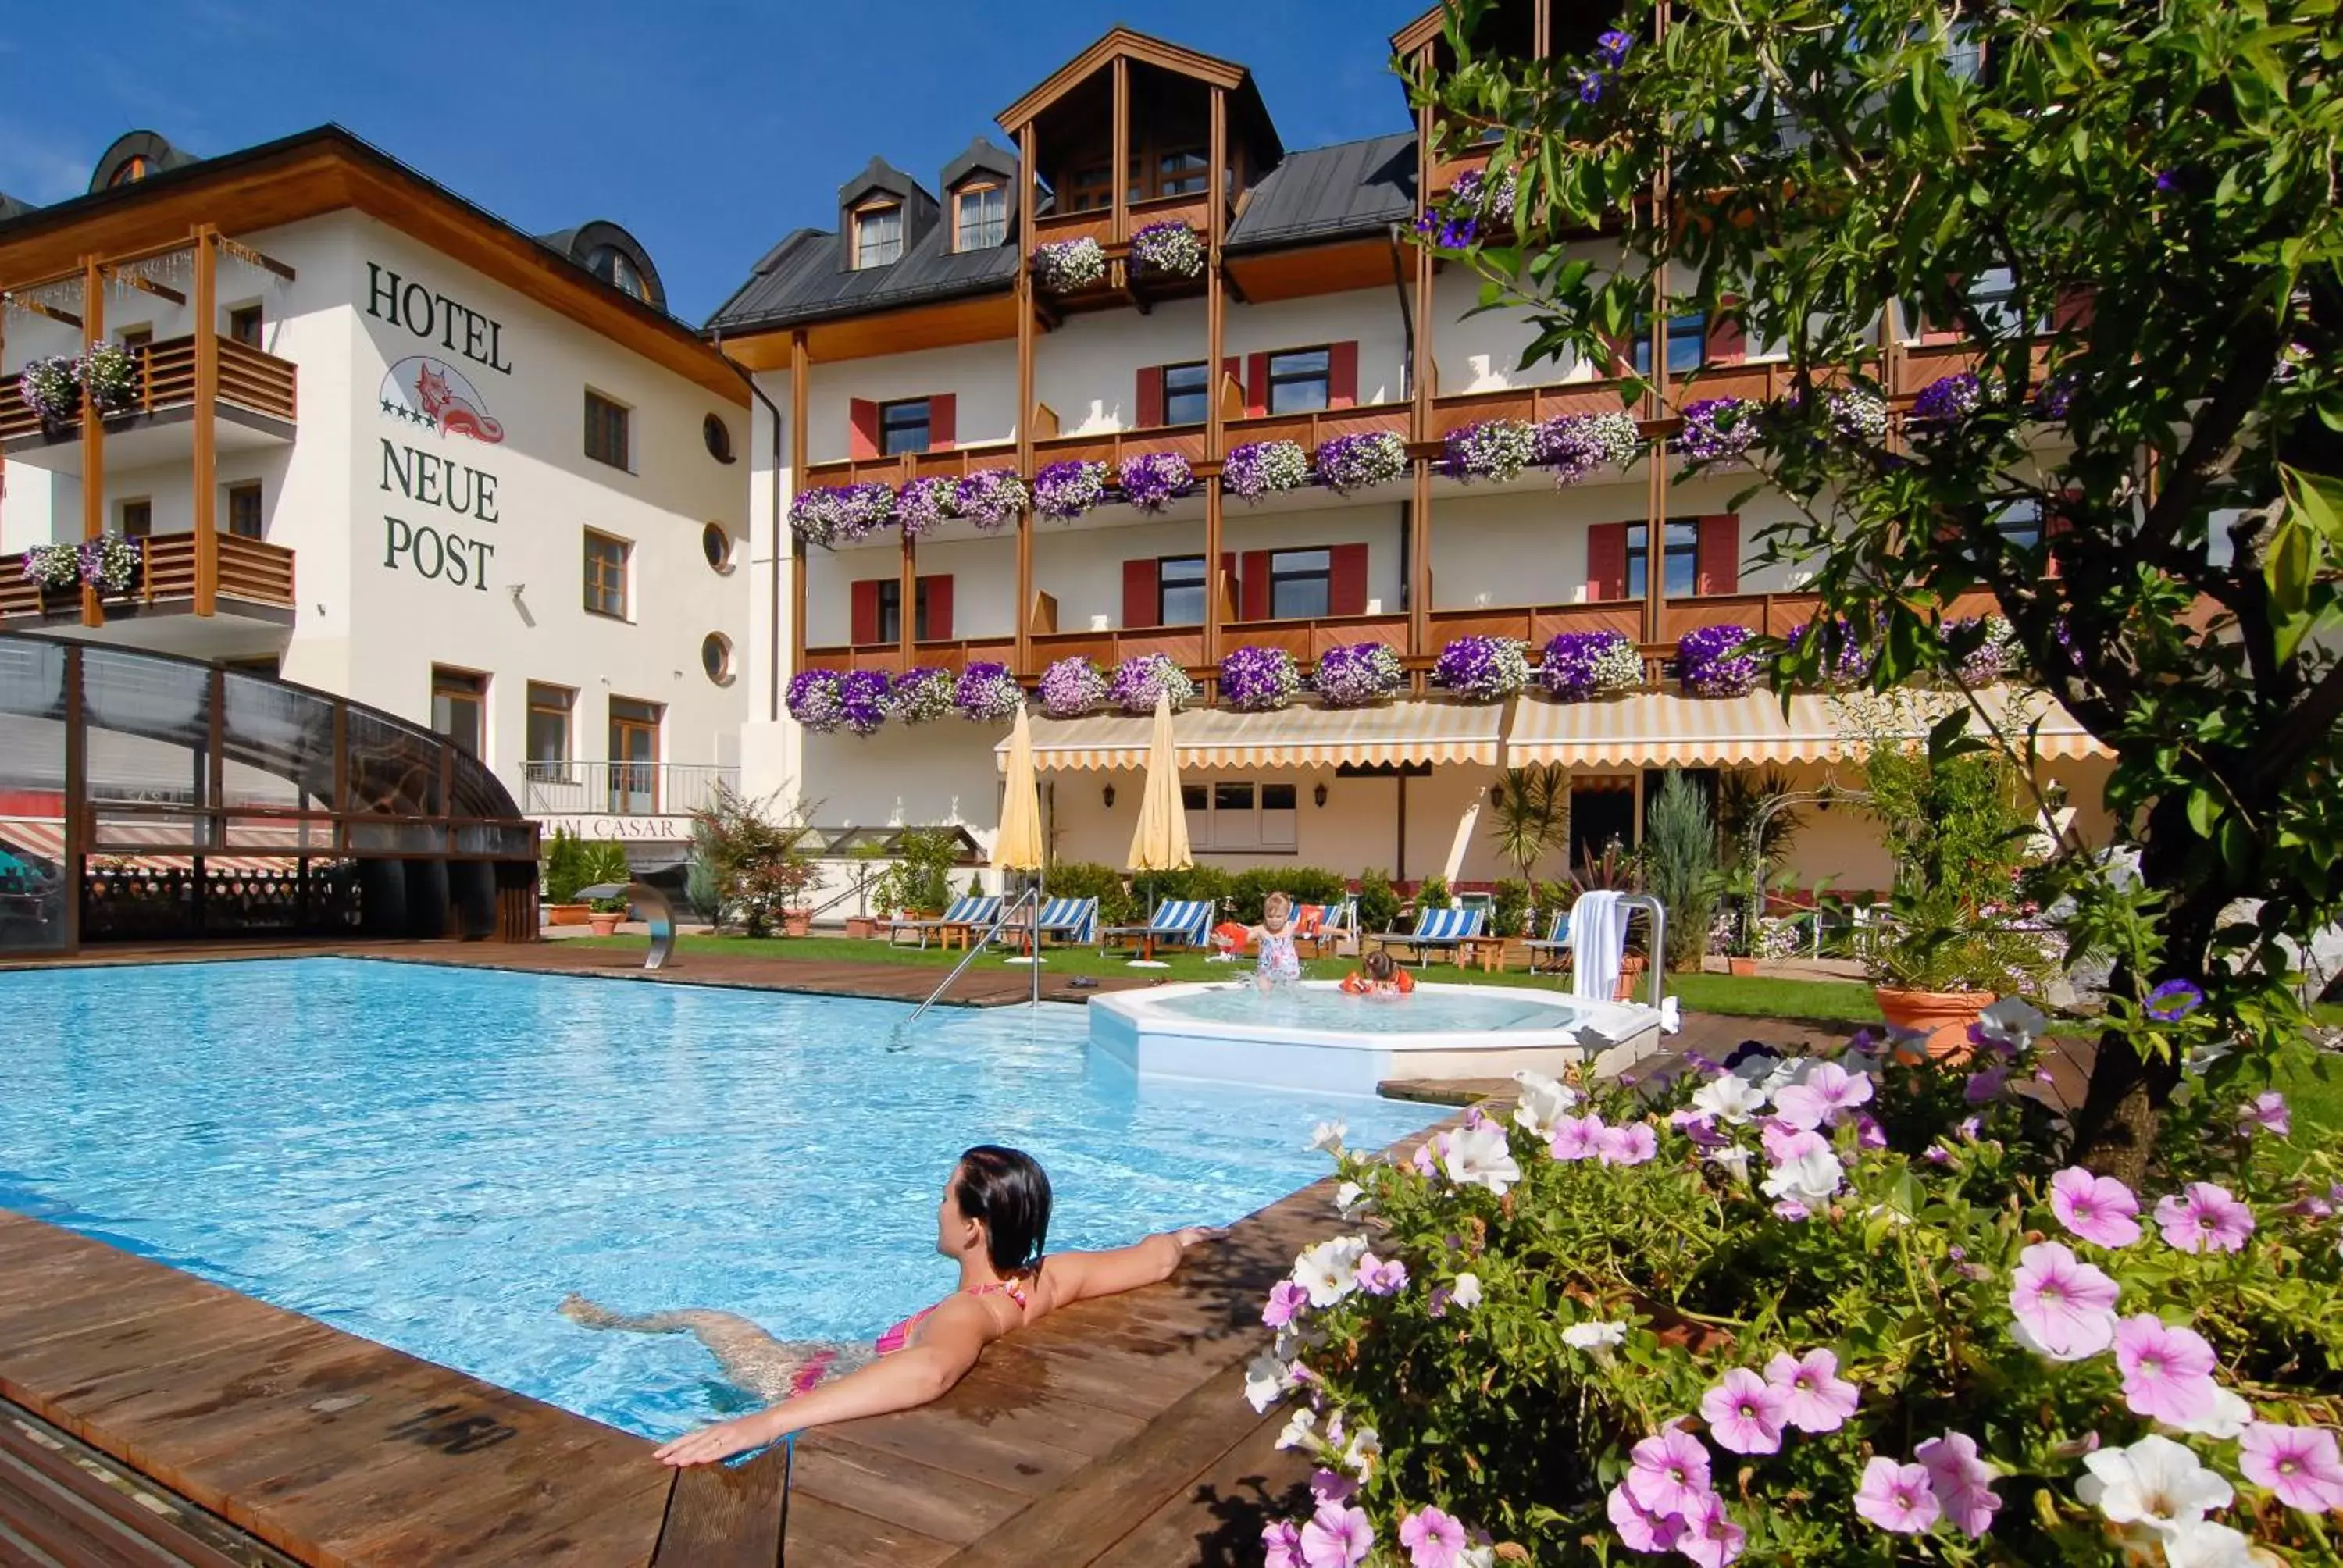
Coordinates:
<point>433,392</point>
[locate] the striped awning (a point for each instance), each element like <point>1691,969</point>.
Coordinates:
<point>1659,730</point>
<point>45,837</point>
<point>1303,735</point>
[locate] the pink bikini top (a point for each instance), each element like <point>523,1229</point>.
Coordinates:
<point>896,1338</point>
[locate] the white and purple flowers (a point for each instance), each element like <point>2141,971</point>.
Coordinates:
<point>1718,429</point>
<point>1348,463</point>
<point>1068,266</point>
<point>1579,665</point>
<point>1718,661</point>
<point>1575,445</point>
<point>1261,469</point>
<point>842,514</point>
<point>1259,679</point>
<point>1153,480</point>
<point>987,693</point>
<point>1482,669</point>
<point>1495,449</point>
<point>1065,490</point>
<point>1072,686</point>
<point>813,700</point>
<point>1171,247</point>
<point>1355,676</point>
<point>919,694</point>
<point>1138,678</point>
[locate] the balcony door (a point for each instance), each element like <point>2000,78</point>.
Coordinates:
<point>634,757</point>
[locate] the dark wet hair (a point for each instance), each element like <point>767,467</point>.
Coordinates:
<point>1009,1191</point>
<point>1379,965</point>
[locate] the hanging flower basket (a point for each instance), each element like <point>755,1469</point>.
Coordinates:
<point>1360,462</point>
<point>1259,679</point>
<point>1578,666</point>
<point>1718,661</point>
<point>1068,266</point>
<point>924,506</point>
<point>1716,428</point>
<point>108,563</point>
<point>1171,247</point>
<point>990,498</point>
<point>53,567</point>
<point>1138,678</point>
<point>987,693</point>
<point>1068,489</point>
<point>863,698</point>
<point>1496,449</point>
<point>1857,413</point>
<point>1575,445</point>
<point>1153,480</point>
<point>109,375</point>
<point>813,700</point>
<point>1072,688</point>
<point>1261,469</point>
<point>1360,674</point>
<point>1483,668</point>
<point>1947,400</point>
<point>919,694</point>
<point>842,514</point>
<point>51,388</point>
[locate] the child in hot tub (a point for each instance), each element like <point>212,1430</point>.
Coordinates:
<point>1382,977</point>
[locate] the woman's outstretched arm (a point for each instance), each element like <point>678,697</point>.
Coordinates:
<point>1081,1276</point>
<point>948,1342</point>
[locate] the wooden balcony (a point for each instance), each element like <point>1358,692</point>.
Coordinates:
<point>954,654</point>
<point>1312,431</point>
<point>1309,640</point>
<point>1537,624</point>
<point>953,463</point>
<point>256,404</point>
<point>1445,171</point>
<point>1122,284</point>
<point>1184,645</point>
<point>1923,363</point>
<point>1113,447</point>
<point>1533,405</point>
<point>255,582</point>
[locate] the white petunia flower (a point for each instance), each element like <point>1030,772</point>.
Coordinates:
<point>2013,1021</point>
<point>1467,1291</point>
<point>1294,1339</point>
<point>1347,1196</point>
<point>1810,1180</point>
<point>1267,1381</point>
<point>1329,1135</point>
<point>2226,1420</point>
<point>1329,1270</point>
<point>2154,1482</point>
<point>1485,1556</point>
<point>1543,1102</point>
<point>1735,1162</point>
<point>1301,1429</point>
<point>1729,1099</point>
<point>1364,1449</point>
<point>2206,1545</point>
<point>1478,1157</point>
<point>1595,1339</point>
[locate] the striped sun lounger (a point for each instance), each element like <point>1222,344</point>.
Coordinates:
<point>1182,922</point>
<point>1441,930</point>
<point>965,915</point>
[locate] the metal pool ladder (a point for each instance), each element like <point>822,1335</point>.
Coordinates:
<point>1029,902</point>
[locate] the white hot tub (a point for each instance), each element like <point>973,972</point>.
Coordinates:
<point>1313,1036</point>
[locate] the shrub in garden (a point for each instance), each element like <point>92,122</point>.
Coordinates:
<point>1859,1311</point>
<point>1249,889</point>
<point>1209,883</point>
<point>1509,900</point>
<point>1379,901</point>
<point>1089,880</point>
<point>1680,865</point>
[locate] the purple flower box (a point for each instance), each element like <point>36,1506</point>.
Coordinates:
<point>1259,679</point>
<point>1483,668</point>
<point>1072,688</point>
<point>923,506</point>
<point>1496,449</point>
<point>919,694</point>
<point>814,701</point>
<point>1138,680</point>
<point>1171,247</point>
<point>1574,445</point>
<point>1715,428</point>
<point>1261,469</point>
<point>987,693</point>
<point>862,698</point>
<point>1718,661</point>
<point>1066,490</point>
<point>1577,666</point>
<point>1948,399</point>
<point>1153,480</point>
<point>1355,676</point>
<point>990,498</point>
<point>1846,661</point>
<point>1359,462</point>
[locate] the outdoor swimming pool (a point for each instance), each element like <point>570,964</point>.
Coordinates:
<point>433,1156</point>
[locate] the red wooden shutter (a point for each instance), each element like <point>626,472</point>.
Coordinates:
<point>1342,375</point>
<point>1252,566</point>
<point>865,618</point>
<point>1226,583</point>
<point>862,429</point>
<point>938,591</point>
<point>1257,384</point>
<point>1232,371</point>
<point>1346,579</point>
<point>1727,345</point>
<point>1151,397</point>
<point>1139,592</point>
<point>1607,561</point>
<point>2073,311</point>
<point>943,421</point>
<point>1716,562</point>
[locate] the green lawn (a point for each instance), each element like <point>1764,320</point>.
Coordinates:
<point>1755,997</point>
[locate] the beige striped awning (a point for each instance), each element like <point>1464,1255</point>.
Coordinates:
<point>1303,735</point>
<point>1658,729</point>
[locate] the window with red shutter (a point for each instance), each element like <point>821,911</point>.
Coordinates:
<point>934,612</point>
<point>1149,401</point>
<point>1717,566</point>
<point>863,427</point>
<point>1252,572</point>
<point>1727,344</point>
<point>1342,375</point>
<point>1346,579</point>
<point>864,603</point>
<point>1607,561</point>
<point>943,422</point>
<point>1256,384</point>
<point>1137,593</point>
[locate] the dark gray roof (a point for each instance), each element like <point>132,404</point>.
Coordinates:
<point>11,207</point>
<point>1318,194</point>
<point>1351,187</point>
<point>981,155</point>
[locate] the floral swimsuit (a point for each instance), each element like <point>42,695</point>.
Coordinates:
<point>1278,961</point>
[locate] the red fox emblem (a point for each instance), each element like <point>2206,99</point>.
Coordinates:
<point>452,414</point>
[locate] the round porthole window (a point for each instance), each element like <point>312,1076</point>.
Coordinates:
<point>716,657</point>
<point>719,436</point>
<point>716,544</point>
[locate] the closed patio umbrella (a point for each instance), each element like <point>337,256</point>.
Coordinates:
<point>1161,841</point>
<point>1018,846</point>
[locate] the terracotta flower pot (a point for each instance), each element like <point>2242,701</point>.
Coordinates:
<point>1744,967</point>
<point>1944,1016</point>
<point>797,923</point>
<point>566,914</point>
<point>1631,975</point>
<point>862,928</point>
<point>604,925</point>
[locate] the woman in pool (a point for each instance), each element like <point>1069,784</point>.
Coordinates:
<point>1278,964</point>
<point>993,1222</point>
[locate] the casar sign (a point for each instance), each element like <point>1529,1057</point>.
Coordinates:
<point>639,829</point>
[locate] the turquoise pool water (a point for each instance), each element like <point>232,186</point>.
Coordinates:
<point>433,1156</point>
<point>1324,1007</point>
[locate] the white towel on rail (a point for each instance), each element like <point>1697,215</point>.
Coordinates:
<point>1598,940</point>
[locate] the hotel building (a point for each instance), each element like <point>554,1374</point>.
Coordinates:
<point>378,442</point>
<point>906,334</point>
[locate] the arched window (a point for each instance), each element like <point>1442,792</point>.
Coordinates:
<point>613,266</point>
<point>133,169</point>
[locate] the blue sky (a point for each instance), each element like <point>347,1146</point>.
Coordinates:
<point>709,133</point>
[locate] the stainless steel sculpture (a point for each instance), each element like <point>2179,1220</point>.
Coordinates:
<point>656,913</point>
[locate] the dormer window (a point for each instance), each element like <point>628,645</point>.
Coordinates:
<point>980,217</point>
<point>617,269</point>
<point>879,234</point>
<point>133,170</point>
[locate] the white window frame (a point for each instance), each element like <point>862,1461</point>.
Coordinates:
<point>1258,828</point>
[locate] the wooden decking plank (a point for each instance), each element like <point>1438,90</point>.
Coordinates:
<point>821,1534</point>
<point>720,1516</point>
<point>21,1448</point>
<point>77,1517</point>
<point>1018,1458</point>
<point>923,1497</point>
<point>554,1518</point>
<point>1006,1389</point>
<point>1217,1522</point>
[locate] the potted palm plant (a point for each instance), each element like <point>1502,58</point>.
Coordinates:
<point>601,865</point>
<point>1941,963</point>
<point>561,877</point>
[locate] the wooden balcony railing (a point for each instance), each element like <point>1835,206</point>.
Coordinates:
<point>1537,624</point>
<point>1530,404</point>
<point>250,570</point>
<point>955,463</point>
<point>1113,447</point>
<point>1183,645</point>
<point>1098,223</point>
<point>1444,171</point>
<point>1312,640</point>
<point>165,378</point>
<point>954,654</point>
<point>1314,430</point>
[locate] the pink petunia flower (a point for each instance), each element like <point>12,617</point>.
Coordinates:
<point>1426,1163</point>
<point>1700,1127</point>
<point>1639,1527</point>
<point>2167,1373</point>
<point>2100,1210</point>
<point>1868,1133</point>
<point>1631,1144</point>
<point>1710,1538</point>
<point>2203,1217</point>
<point>1381,1276</point>
<point>1281,1545</point>
<point>1745,1414</point>
<point>1337,1537</point>
<point>2268,1111</point>
<point>1897,1498</point>
<point>1667,1473</point>
<point>1784,1142</point>
<point>1286,1302</point>
<point>2063,1306</point>
<point>1576,1137</point>
<point>1816,1399</point>
<point>1432,1539</point>
<point>1963,1482</point>
<point>1826,1095</point>
<point>2298,1463</point>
